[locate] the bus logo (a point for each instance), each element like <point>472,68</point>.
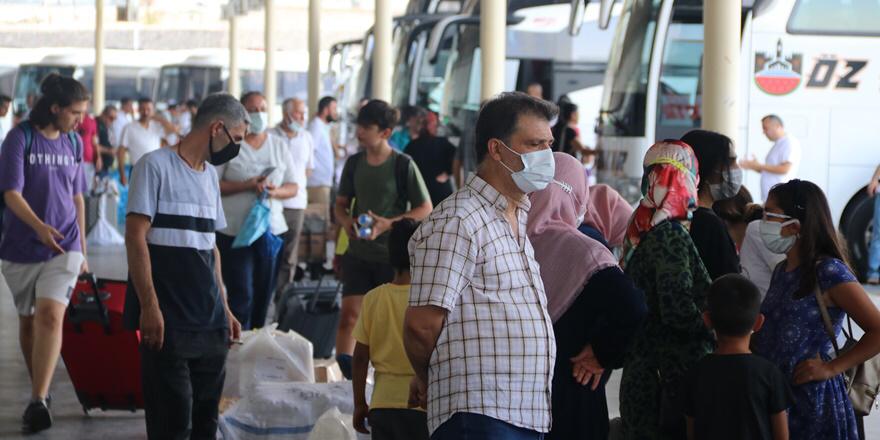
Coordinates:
<point>779,74</point>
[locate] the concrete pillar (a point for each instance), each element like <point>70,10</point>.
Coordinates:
<point>493,41</point>
<point>98,84</point>
<point>269,78</point>
<point>382,51</point>
<point>721,19</point>
<point>314,54</point>
<point>234,80</point>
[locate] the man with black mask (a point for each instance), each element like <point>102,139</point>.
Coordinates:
<point>176,296</point>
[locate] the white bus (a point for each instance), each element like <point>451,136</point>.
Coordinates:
<point>815,63</point>
<point>540,48</point>
<point>127,73</point>
<point>207,72</point>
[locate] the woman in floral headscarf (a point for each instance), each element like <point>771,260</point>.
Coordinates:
<point>661,259</point>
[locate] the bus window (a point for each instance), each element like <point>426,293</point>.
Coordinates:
<point>835,17</point>
<point>623,105</point>
<point>29,79</point>
<point>400,83</point>
<point>291,84</point>
<point>679,95</point>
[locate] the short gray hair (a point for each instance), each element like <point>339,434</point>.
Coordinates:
<point>774,119</point>
<point>222,106</point>
<point>288,103</point>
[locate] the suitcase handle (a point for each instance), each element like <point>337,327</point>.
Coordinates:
<point>92,280</point>
<point>313,302</point>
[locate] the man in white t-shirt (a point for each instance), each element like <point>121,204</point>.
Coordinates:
<point>321,180</point>
<point>124,117</point>
<point>143,136</point>
<point>302,151</point>
<point>783,160</point>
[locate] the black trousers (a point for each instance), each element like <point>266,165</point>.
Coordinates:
<point>183,383</point>
<point>398,424</point>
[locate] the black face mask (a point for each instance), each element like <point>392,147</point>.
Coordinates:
<point>227,153</point>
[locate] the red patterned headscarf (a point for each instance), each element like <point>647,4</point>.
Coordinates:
<point>669,190</point>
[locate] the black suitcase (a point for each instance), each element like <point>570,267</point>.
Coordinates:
<point>311,308</point>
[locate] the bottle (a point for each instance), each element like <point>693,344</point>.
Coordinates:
<point>365,220</point>
<point>364,232</point>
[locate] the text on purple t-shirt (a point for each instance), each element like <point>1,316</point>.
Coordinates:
<point>48,182</point>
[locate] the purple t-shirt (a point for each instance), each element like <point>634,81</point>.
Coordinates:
<point>48,183</point>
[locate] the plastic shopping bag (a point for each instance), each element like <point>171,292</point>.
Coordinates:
<point>288,411</point>
<point>268,355</point>
<point>255,225</point>
<point>333,425</point>
<point>270,245</point>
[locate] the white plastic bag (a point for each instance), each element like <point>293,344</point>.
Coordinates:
<point>268,355</point>
<point>104,233</point>
<point>333,425</point>
<point>288,411</point>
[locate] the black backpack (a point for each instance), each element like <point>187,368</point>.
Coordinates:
<point>28,130</point>
<point>401,174</point>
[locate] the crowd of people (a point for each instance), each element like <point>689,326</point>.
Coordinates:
<point>494,310</point>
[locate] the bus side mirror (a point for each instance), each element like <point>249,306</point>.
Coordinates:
<point>576,19</point>
<point>605,7</point>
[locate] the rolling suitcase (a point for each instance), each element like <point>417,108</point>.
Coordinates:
<point>102,358</point>
<point>311,308</point>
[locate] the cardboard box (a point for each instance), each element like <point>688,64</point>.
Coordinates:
<point>327,371</point>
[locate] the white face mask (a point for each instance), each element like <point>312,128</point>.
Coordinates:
<point>295,126</point>
<point>259,120</point>
<point>729,187</point>
<point>538,170</point>
<point>771,234</point>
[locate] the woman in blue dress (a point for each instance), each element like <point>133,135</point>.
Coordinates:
<point>797,223</point>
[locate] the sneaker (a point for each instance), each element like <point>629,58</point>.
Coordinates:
<point>36,417</point>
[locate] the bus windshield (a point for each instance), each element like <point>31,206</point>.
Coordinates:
<point>405,53</point>
<point>623,104</point>
<point>462,89</point>
<point>680,94</point>
<point>186,82</point>
<point>29,79</point>
<point>429,81</point>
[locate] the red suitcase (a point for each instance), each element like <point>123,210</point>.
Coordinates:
<point>102,358</point>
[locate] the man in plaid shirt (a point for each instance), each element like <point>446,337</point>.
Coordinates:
<point>477,330</point>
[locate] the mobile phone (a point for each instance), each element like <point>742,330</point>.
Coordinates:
<point>267,172</point>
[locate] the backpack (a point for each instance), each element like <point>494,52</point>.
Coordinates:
<point>28,130</point>
<point>401,174</point>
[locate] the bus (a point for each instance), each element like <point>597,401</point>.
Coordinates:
<point>127,73</point>
<point>207,72</point>
<point>815,63</point>
<point>419,15</point>
<point>540,48</point>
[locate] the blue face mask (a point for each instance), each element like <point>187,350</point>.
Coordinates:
<point>259,121</point>
<point>295,126</point>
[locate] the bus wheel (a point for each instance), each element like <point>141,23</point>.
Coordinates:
<point>855,225</point>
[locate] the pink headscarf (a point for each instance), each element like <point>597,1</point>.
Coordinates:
<point>567,257</point>
<point>609,213</point>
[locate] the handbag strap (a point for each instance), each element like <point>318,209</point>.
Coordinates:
<point>826,319</point>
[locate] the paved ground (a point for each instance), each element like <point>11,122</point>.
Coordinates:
<point>72,424</point>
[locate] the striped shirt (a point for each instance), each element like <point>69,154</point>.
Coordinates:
<point>185,211</point>
<point>496,352</point>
